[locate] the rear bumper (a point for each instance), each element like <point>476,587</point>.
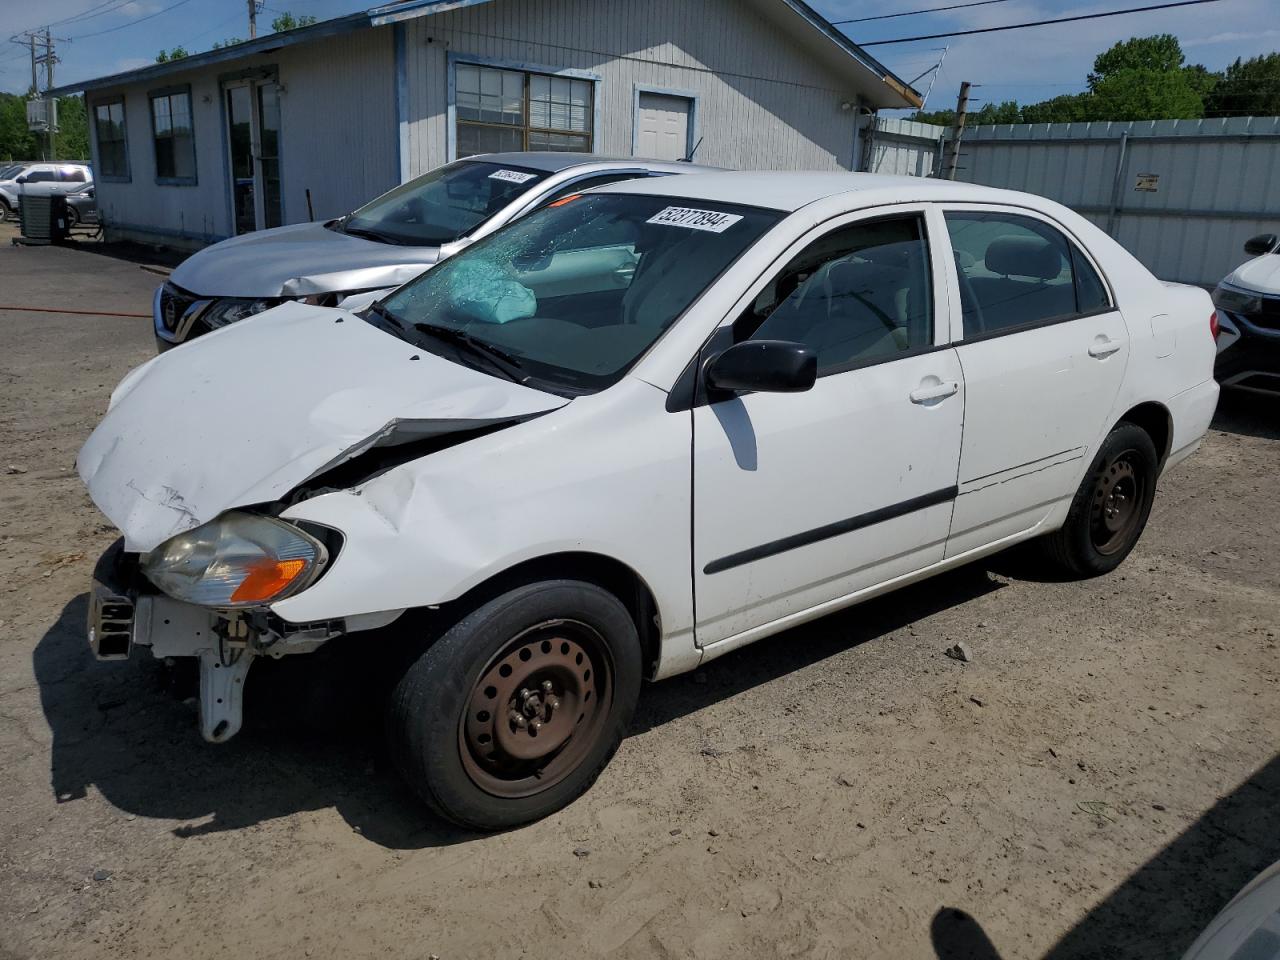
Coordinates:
<point>1192,411</point>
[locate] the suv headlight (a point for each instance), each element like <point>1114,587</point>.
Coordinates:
<point>236,560</point>
<point>222,312</point>
<point>1236,301</point>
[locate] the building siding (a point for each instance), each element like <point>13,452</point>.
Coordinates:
<point>338,137</point>
<point>762,103</point>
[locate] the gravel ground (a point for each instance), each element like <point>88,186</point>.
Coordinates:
<point>1096,783</point>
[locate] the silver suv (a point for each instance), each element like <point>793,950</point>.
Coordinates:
<point>40,179</point>
<point>351,261</point>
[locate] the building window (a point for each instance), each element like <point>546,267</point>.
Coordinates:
<point>113,154</point>
<point>174,143</point>
<point>499,110</point>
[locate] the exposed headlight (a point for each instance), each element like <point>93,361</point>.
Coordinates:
<point>236,560</point>
<point>1237,301</point>
<point>223,312</point>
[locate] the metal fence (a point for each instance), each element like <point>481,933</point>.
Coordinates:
<point>1181,195</point>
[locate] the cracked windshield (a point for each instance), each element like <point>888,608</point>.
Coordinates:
<point>572,295</point>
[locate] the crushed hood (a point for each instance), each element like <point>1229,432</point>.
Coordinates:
<point>244,415</point>
<point>1260,275</point>
<point>297,261</point>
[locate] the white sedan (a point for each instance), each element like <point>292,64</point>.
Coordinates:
<point>632,432</point>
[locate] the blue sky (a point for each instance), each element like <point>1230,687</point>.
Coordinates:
<point>1027,65</point>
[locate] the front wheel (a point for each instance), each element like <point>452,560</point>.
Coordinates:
<point>6,211</point>
<point>1111,506</point>
<point>515,710</point>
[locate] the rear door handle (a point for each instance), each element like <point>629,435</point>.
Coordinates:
<point>1104,347</point>
<point>928,393</point>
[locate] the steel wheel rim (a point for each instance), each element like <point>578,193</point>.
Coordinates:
<point>1116,508</point>
<point>536,709</point>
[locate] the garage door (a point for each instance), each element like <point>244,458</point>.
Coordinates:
<point>662,127</point>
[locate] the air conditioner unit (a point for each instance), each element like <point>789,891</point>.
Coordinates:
<point>42,115</point>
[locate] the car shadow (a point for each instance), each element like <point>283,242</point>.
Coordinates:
<point>312,738</point>
<point>1248,414</point>
<point>1167,902</point>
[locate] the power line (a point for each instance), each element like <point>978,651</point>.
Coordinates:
<point>131,23</point>
<point>1038,23</point>
<point>912,13</point>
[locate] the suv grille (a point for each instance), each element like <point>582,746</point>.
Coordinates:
<point>174,303</point>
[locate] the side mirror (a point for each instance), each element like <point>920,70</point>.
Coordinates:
<point>23,179</point>
<point>1262,243</point>
<point>765,366</point>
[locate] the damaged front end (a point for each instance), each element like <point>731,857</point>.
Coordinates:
<point>201,452</point>
<point>127,611</point>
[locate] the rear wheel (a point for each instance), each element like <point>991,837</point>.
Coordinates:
<point>1111,507</point>
<point>515,710</point>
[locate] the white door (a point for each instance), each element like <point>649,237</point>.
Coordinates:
<point>1043,352</point>
<point>662,127</point>
<point>802,499</point>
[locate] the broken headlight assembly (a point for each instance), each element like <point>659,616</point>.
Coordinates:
<point>236,560</point>
<point>223,312</point>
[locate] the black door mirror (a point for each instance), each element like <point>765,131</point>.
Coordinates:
<point>23,179</point>
<point>766,366</point>
<point>1262,243</point>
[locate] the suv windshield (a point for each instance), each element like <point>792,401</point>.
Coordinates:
<point>443,205</point>
<point>10,171</point>
<point>571,296</point>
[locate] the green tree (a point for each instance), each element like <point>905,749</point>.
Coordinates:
<point>1067,108</point>
<point>16,141</point>
<point>228,42</point>
<point>287,21</point>
<point>1248,88</point>
<point>177,53</point>
<point>1141,94</point>
<point>1161,53</point>
<point>73,129</point>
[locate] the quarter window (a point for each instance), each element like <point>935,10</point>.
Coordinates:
<point>108,123</point>
<point>1017,272</point>
<point>174,143</point>
<point>858,295</point>
<point>503,110</point>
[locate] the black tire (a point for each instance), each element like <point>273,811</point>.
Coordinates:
<point>1110,508</point>
<point>73,218</point>
<point>435,731</point>
<point>6,211</point>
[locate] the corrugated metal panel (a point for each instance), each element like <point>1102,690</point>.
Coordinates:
<point>762,103</point>
<point>901,147</point>
<point>1218,183</point>
<point>338,137</point>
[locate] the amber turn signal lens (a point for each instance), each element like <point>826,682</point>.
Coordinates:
<point>266,579</point>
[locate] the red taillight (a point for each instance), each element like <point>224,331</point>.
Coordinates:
<point>1213,324</point>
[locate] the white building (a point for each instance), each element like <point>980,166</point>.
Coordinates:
<point>311,123</point>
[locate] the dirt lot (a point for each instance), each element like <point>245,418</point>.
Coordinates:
<point>1096,783</point>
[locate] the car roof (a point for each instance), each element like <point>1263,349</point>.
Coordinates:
<point>554,162</point>
<point>791,190</point>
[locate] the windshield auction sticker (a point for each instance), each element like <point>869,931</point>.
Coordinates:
<point>709,220</point>
<point>512,176</point>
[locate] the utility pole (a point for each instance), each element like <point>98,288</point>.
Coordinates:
<point>41,44</point>
<point>962,114</point>
<point>253,19</point>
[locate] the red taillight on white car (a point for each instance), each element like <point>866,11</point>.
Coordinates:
<point>1213,325</point>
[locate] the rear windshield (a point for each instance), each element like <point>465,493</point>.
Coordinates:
<point>443,205</point>
<point>569,297</point>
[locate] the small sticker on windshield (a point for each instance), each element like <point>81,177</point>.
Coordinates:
<point>709,220</point>
<point>512,176</point>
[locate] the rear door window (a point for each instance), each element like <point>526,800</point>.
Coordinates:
<point>1016,272</point>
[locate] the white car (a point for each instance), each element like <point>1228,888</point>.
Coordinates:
<point>39,180</point>
<point>632,432</point>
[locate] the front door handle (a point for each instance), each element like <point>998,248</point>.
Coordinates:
<point>1104,347</point>
<point>931,392</point>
